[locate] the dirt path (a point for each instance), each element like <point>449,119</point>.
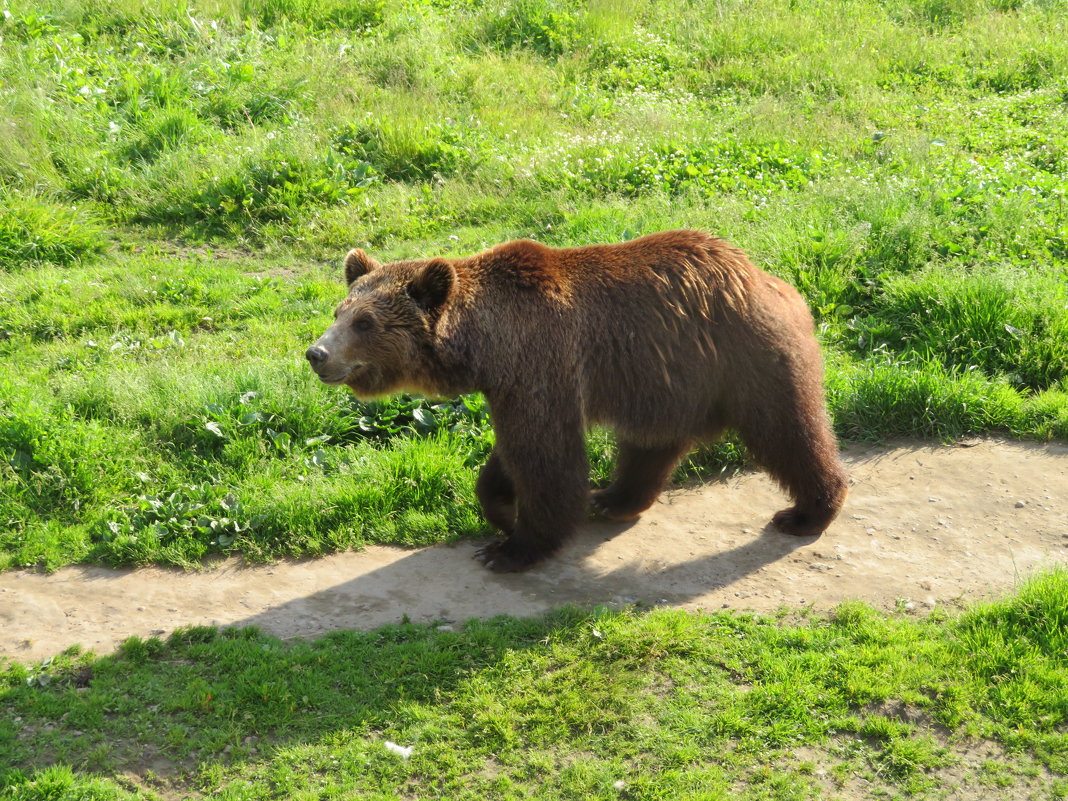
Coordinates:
<point>924,525</point>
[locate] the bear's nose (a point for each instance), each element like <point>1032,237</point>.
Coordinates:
<point>316,354</point>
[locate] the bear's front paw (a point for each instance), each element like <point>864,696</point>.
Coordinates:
<point>504,556</point>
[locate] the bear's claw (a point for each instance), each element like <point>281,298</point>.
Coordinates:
<point>499,558</point>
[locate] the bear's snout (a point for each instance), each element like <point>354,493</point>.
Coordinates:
<point>316,354</point>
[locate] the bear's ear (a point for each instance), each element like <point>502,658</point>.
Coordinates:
<point>358,263</point>
<point>432,283</point>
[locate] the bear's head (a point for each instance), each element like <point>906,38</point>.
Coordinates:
<point>382,338</point>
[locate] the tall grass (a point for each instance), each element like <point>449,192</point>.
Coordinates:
<point>35,230</point>
<point>174,176</point>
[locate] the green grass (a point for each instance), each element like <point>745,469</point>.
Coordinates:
<point>668,703</point>
<point>178,182</point>
<point>32,229</point>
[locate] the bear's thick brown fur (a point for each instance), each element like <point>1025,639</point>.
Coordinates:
<point>668,339</point>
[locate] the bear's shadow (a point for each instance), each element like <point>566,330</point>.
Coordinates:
<point>445,583</point>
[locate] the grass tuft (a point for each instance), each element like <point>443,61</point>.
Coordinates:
<point>33,230</point>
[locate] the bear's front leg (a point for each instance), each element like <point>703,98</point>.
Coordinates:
<point>496,494</point>
<point>546,461</point>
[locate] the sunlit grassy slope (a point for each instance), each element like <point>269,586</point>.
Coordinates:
<point>178,181</point>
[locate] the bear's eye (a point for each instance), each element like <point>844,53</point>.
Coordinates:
<point>363,323</point>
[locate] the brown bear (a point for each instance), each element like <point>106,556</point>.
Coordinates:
<point>668,339</point>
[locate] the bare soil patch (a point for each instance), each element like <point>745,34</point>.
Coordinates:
<point>924,526</point>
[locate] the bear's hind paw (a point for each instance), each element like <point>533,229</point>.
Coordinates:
<point>795,522</point>
<point>610,506</point>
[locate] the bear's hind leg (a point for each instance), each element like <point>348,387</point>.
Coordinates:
<point>496,494</point>
<point>800,452</point>
<point>641,474</point>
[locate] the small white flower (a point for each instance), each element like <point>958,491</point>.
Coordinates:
<point>401,750</point>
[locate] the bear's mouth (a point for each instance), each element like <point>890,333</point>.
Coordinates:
<point>341,377</point>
